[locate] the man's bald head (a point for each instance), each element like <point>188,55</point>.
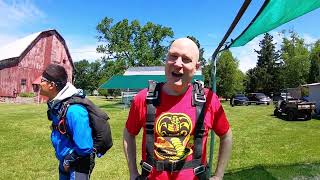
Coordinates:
<point>181,64</point>
<point>188,45</point>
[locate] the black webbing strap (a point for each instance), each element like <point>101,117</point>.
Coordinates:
<point>152,100</point>
<point>176,166</point>
<point>199,100</point>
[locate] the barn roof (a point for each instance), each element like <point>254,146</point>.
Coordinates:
<point>12,53</point>
<point>16,48</point>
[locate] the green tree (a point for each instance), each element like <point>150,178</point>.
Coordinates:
<point>229,77</point>
<point>206,72</point>
<point>131,44</point>
<point>314,73</point>
<point>87,75</point>
<point>251,80</point>
<point>205,67</point>
<point>295,55</point>
<point>202,60</point>
<point>266,76</point>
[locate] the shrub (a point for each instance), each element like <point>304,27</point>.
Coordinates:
<point>25,94</point>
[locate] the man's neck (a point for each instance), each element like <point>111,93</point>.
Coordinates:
<point>175,91</point>
<point>52,96</point>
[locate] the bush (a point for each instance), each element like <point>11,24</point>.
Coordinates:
<point>103,92</point>
<point>25,94</point>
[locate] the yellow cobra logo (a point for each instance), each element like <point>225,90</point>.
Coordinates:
<point>174,141</point>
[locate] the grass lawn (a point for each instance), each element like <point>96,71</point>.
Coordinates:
<point>265,147</point>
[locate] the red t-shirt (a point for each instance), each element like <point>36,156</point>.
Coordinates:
<point>174,128</point>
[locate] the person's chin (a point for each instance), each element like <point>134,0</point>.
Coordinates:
<point>178,85</point>
<point>175,82</point>
<point>42,93</point>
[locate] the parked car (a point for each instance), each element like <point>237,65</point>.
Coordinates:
<point>239,99</point>
<point>258,98</point>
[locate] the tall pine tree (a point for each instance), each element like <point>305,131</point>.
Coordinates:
<point>267,72</point>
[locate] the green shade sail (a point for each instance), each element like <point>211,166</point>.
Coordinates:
<point>135,81</point>
<point>273,14</point>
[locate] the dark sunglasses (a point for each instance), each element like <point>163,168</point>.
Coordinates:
<point>43,79</point>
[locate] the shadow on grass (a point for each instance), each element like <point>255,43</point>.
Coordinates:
<point>257,172</point>
<point>316,117</point>
<point>291,171</point>
<point>116,105</point>
<point>284,118</point>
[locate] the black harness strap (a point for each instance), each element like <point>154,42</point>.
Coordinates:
<point>199,100</point>
<point>153,100</point>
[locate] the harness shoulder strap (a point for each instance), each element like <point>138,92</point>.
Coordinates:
<point>152,100</point>
<point>62,125</point>
<point>199,101</point>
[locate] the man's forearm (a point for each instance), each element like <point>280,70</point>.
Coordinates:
<point>129,147</point>
<point>224,153</point>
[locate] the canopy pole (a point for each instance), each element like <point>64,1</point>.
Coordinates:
<point>213,71</point>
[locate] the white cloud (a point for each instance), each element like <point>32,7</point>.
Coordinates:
<point>17,13</point>
<point>14,16</point>
<point>7,38</point>
<point>246,55</point>
<point>87,52</point>
<point>308,39</point>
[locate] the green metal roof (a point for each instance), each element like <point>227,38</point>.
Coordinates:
<point>135,81</point>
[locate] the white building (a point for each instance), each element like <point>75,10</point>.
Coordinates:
<point>314,94</point>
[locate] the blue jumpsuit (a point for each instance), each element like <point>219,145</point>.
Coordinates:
<point>75,148</point>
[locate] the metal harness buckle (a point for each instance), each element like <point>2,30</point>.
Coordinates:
<point>200,169</point>
<point>146,166</point>
<point>152,96</point>
<point>199,98</point>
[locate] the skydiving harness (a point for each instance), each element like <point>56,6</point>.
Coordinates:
<point>98,121</point>
<point>153,100</point>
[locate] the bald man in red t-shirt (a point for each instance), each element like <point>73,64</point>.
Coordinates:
<point>175,142</point>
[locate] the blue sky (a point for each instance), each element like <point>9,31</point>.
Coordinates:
<point>207,20</point>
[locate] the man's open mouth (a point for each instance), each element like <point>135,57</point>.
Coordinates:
<point>176,74</point>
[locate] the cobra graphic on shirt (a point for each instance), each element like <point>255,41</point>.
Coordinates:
<point>174,141</point>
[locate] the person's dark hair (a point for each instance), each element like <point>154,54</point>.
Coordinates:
<point>57,74</point>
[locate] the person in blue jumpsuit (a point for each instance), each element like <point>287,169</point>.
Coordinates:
<point>72,141</point>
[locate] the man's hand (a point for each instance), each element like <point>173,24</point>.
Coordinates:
<point>129,147</point>
<point>215,178</point>
<point>66,168</point>
<point>69,161</point>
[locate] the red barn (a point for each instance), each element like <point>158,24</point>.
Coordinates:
<point>23,61</point>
